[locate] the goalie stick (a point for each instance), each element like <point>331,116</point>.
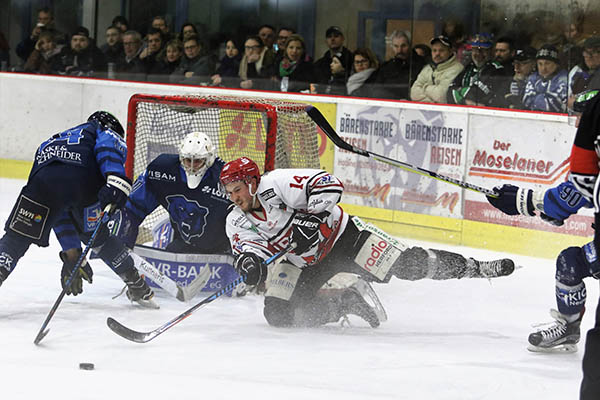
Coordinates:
<point>339,142</point>
<point>145,337</point>
<point>43,331</point>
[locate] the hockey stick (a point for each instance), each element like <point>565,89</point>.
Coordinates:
<point>43,331</point>
<point>145,337</point>
<point>339,142</point>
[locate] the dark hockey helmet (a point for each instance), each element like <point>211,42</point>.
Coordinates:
<point>241,169</point>
<point>107,120</point>
<point>583,99</point>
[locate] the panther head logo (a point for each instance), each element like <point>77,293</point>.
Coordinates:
<point>188,215</point>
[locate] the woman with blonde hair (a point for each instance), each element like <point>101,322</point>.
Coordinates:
<point>294,73</point>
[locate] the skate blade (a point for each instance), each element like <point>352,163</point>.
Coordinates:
<point>371,297</point>
<point>560,349</point>
<point>149,304</point>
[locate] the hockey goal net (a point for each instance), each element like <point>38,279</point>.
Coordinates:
<point>273,133</point>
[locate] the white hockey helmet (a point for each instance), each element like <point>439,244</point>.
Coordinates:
<point>196,154</point>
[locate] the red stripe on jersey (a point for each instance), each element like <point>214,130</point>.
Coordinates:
<point>584,161</point>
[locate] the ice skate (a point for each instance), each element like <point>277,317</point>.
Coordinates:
<point>138,290</point>
<point>361,300</point>
<point>560,337</point>
<point>491,269</point>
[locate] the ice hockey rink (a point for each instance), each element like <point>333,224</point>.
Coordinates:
<point>458,339</point>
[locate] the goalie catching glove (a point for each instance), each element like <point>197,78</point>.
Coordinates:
<point>305,231</point>
<point>115,191</point>
<point>252,266</point>
<point>83,272</point>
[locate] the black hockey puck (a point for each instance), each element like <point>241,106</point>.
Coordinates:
<point>86,366</point>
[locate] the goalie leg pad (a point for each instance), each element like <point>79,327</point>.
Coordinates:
<point>282,280</point>
<point>376,255</point>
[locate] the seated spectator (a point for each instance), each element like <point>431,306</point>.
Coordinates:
<point>336,85</point>
<point>282,36</point>
<point>434,79</point>
<point>82,58</point>
<point>113,48</point>
<point>227,72</point>
<point>154,45</point>
<point>120,22</point>
<point>504,52</point>
<point>360,83</point>
<point>160,22</point>
<point>187,30</point>
<point>294,73</point>
<point>196,67</point>
<point>524,65</point>
<point>267,34</point>
<point>44,55</point>
<point>454,30</point>
<point>257,65</point>
<point>483,81</point>
<point>129,65</point>
<point>335,42</point>
<point>45,22</point>
<point>397,75</point>
<point>168,60</point>
<point>546,89</point>
<point>585,76</point>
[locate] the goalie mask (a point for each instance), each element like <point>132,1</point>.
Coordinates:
<point>196,154</point>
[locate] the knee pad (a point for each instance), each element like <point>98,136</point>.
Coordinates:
<point>114,253</point>
<point>278,312</point>
<point>571,266</point>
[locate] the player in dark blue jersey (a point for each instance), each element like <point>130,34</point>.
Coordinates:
<point>75,175</point>
<point>555,205</point>
<point>187,186</point>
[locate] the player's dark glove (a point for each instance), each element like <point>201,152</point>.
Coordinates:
<point>513,200</point>
<point>252,266</point>
<point>83,272</point>
<point>115,191</point>
<point>305,231</point>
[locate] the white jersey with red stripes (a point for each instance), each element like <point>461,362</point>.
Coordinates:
<point>282,193</point>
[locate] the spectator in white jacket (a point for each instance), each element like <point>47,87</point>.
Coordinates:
<point>435,78</point>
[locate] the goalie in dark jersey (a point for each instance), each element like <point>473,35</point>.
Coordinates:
<point>75,175</point>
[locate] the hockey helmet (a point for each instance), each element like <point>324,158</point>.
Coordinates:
<point>107,121</point>
<point>193,149</point>
<point>241,169</point>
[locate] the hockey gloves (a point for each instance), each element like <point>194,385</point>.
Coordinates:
<point>115,192</point>
<point>252,266</point>
<point>305,231</point>
<point>83,272</point>
<point>513,200</point>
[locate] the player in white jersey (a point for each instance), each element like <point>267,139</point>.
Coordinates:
<point>300,206</point>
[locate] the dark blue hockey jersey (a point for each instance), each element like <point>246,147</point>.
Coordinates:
<point>197,215</point>
<point>101,152</point>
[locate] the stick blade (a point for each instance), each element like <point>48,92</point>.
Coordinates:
<point>41,335</point>
<point>129,334</point>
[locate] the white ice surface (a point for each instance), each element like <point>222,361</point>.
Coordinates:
<point>444,340</point>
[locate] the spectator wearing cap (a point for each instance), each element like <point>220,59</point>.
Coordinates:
<point>546,89</point>
<point>434,79</point>
<point>397,75</point>
<point>335,42</point>
<point>336,85</point>
<point>524,65</point>
<point>585,75</point>
<point>483,81</point>
<point>81,58</point>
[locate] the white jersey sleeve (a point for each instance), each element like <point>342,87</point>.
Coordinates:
<point>308,190</point>
<point>244,236</point>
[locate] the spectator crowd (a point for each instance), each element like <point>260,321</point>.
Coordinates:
<point>452,68</point>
